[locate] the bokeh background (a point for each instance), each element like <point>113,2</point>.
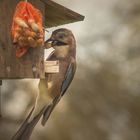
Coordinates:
<point>103,102</point>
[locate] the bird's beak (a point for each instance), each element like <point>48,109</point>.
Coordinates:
<point>48,43</point>
<point>49,40</point>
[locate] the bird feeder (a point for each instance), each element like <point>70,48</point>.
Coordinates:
<point>30,65</point>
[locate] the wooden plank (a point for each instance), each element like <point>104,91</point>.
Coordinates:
<point>57,14</point>
<point>29,66</point>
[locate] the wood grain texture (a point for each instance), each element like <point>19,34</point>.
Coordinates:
<point>29,66</point>
<point>32,64</point>
<point>57,14</point>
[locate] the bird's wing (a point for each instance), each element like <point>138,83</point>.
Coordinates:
<point>68,78</point>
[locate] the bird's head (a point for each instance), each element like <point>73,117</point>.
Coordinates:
<point>63,41</point>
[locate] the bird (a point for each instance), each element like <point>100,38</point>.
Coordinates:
<point>55,85</point>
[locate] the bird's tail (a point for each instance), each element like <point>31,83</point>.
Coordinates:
<point>25,131</point>
<point>27,127</point>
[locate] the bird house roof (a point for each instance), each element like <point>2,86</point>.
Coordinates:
<point>56,14</point>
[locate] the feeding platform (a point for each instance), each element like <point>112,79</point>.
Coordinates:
<point>30,65</point>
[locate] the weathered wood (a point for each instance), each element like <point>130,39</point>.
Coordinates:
<point>57,14</point>
<point>32,64</point>
<point>29,66</point>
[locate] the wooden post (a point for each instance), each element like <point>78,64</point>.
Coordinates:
<point>0,99</point>
<point>29,66</point>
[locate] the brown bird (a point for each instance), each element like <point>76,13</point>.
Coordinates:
<point>53,87</point>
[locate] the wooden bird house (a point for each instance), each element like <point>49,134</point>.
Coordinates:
<point>30,65</point>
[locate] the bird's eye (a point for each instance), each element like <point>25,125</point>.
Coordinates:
<point>61,36</point>
<point>58,43</point>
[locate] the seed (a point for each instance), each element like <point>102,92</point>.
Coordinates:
<point>21,22</point>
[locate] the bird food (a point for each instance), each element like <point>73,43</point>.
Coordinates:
<point>27,30</point>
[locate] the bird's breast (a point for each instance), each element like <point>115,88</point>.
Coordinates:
<point>61,51</point>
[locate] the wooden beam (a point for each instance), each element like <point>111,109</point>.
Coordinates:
<point>56,14</point>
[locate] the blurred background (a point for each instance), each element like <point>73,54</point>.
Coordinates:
<point>103,102</point>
